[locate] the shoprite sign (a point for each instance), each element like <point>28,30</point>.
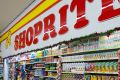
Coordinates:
<point>66,20</point>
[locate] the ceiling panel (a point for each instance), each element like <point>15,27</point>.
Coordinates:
<point>10,9</point>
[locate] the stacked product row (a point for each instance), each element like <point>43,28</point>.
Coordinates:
<point>101,77</point>
<point>88,77</point>
<point>34,66</point>
<point>90,66</point>
<point>1,71</point>
<point>91,57</point>
<point>44,68</point>
<point>94,43</point>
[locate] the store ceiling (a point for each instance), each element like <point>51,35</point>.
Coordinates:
<point>10,9</point>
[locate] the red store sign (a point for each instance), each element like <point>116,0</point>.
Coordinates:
<point>30,36</point>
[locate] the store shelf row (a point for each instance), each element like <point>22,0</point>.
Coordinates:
<point>38,67</point>
<point>51,62</point>
<point>47,68</point>
<point>55,77</point>
<point>98,60</point>
<point>88,52</point>
<point>51,70</point>
<point>73,53</point>
<point>41,63</point>
<point>88,72</point>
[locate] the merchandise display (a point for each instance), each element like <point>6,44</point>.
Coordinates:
<point>97,56</point>
<point>72,77</point>
<point>100,77</point>
<point>74,67</point>
<point>1,68</point>
<point>12,71</point>
<point>60,40</point>
<point>79,60</point>
<point>1,71</point>
<point>102,67</point>
<point>94,65</point>
<point>35,66</point>
<point>52,66</point>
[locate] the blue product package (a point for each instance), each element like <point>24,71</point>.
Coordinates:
<point>45,52</point>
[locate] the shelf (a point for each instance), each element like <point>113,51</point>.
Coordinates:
<point>72,73</point>
<point>29,63</point>
<point>51,56</point>
<point>34,63</point>
<point>27,60</point>
<point>39,62</point>
<point>88,72</point>
<point>91,60</point>
<point>38,67</point>
<point>51,63</point>
<point>111,73</point>
<point>35,58</point>
<point>75,53</point>
<point>51,77</point>
<point>51,70</point>
<point>38,58</point>
<point>88,52</point>
<point>32,59</point>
